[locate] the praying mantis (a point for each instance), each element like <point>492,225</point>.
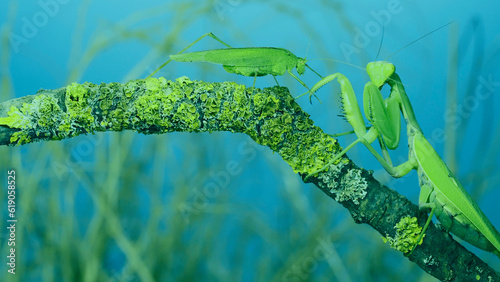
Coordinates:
<point>441,194</point>
<point>249,61</point>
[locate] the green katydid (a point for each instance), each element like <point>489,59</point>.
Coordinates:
<point>441,193</point>
<point>251,61</point>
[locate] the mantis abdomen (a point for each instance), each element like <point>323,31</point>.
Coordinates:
<point>452,205</point>
<point>457,223</point>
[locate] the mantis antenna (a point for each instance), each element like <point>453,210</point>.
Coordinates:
<point>381,41</point>
<point>429,33</point>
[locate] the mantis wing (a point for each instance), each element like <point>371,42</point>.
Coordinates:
<point>453,196</point>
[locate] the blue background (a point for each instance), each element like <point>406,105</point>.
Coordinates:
<point>179,210</point>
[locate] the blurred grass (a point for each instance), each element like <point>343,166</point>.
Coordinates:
<point>122,207</point>
<point>479,134</point>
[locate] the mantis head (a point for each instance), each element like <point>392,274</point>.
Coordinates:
<point>380,71</point>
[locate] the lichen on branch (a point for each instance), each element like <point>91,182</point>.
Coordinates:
<point>270,116</point>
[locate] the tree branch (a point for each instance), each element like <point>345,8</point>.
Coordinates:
<point>269,116</point>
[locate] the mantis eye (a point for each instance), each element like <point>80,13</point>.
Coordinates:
<point>388,69</point>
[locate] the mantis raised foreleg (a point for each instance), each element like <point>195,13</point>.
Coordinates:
<point>441,194</point>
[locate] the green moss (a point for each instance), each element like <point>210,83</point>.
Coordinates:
<point>203,97</point>
<point>188,88</point>
<point>153,109</point>
<point>65,127</point>
<point>41,117</point>
<point>185,105</point>
<point>274,131</point>
<point>187,117</point>
<point>44,118</point>
<point>315,150</point>
<point>212,107</point>
<point>407,233</point>
<point>153,85</point>
<point>156,105</point>
<point>118,117</point>
<point>265,105</point>
<point>303,122</point>
<point>78,108</point>
<point>15,118</point>
<point>184,80</point>
<point>227,116</point>
<point>131,88</point>
<point>239,95</point>
<point>308,151</point>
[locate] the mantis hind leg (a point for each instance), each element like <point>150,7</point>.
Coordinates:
<point>191,45</point>
<point>432,207</point>
<point>422,233</point>
<point>423,200</point>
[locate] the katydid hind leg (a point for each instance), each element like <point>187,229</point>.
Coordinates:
<point>254,80</point>
<point>275,79</point>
